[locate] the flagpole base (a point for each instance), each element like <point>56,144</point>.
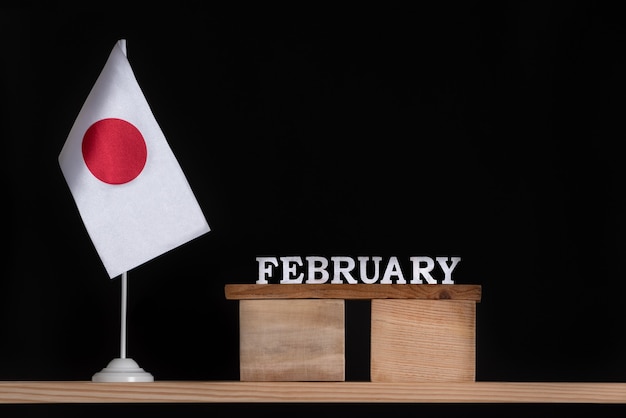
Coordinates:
<point>122,370</point>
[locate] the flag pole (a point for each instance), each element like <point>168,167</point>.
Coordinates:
<point>123,369</point>
<point>123,315</point>
<point>124,274</point>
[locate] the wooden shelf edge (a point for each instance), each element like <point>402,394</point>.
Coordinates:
<point>354,291</point>
<point>27,392</point>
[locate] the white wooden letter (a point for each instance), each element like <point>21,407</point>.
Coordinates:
<point>339,270</point>
<point>447,270</point>
<point>313,270</point>
<point>393,269</point>
<point>291,270</point>
<point>265,270</point>
<point>418,270</point>
<point>363,269</point>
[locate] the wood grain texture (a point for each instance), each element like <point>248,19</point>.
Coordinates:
<point>423,340</point>
<point>292,340</point>
<point>311,392</point>
<point>353,291</point>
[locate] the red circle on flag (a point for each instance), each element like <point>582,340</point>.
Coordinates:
<point>114,151</point>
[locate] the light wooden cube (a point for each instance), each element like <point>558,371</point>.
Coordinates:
<point>416,340</point>
<point>292,340</point>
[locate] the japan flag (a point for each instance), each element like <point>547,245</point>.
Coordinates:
<point>130,191</point>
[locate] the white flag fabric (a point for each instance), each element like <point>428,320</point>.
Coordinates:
<point>130,191</point>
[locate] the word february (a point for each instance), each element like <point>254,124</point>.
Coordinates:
<point>318,270</point>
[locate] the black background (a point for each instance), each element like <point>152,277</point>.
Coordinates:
<point>489,131</point>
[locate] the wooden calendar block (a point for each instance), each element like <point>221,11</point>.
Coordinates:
<point>418,340</point>
<point>292,340</point>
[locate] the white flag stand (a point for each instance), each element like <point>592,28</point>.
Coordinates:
<point>123,369</point>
